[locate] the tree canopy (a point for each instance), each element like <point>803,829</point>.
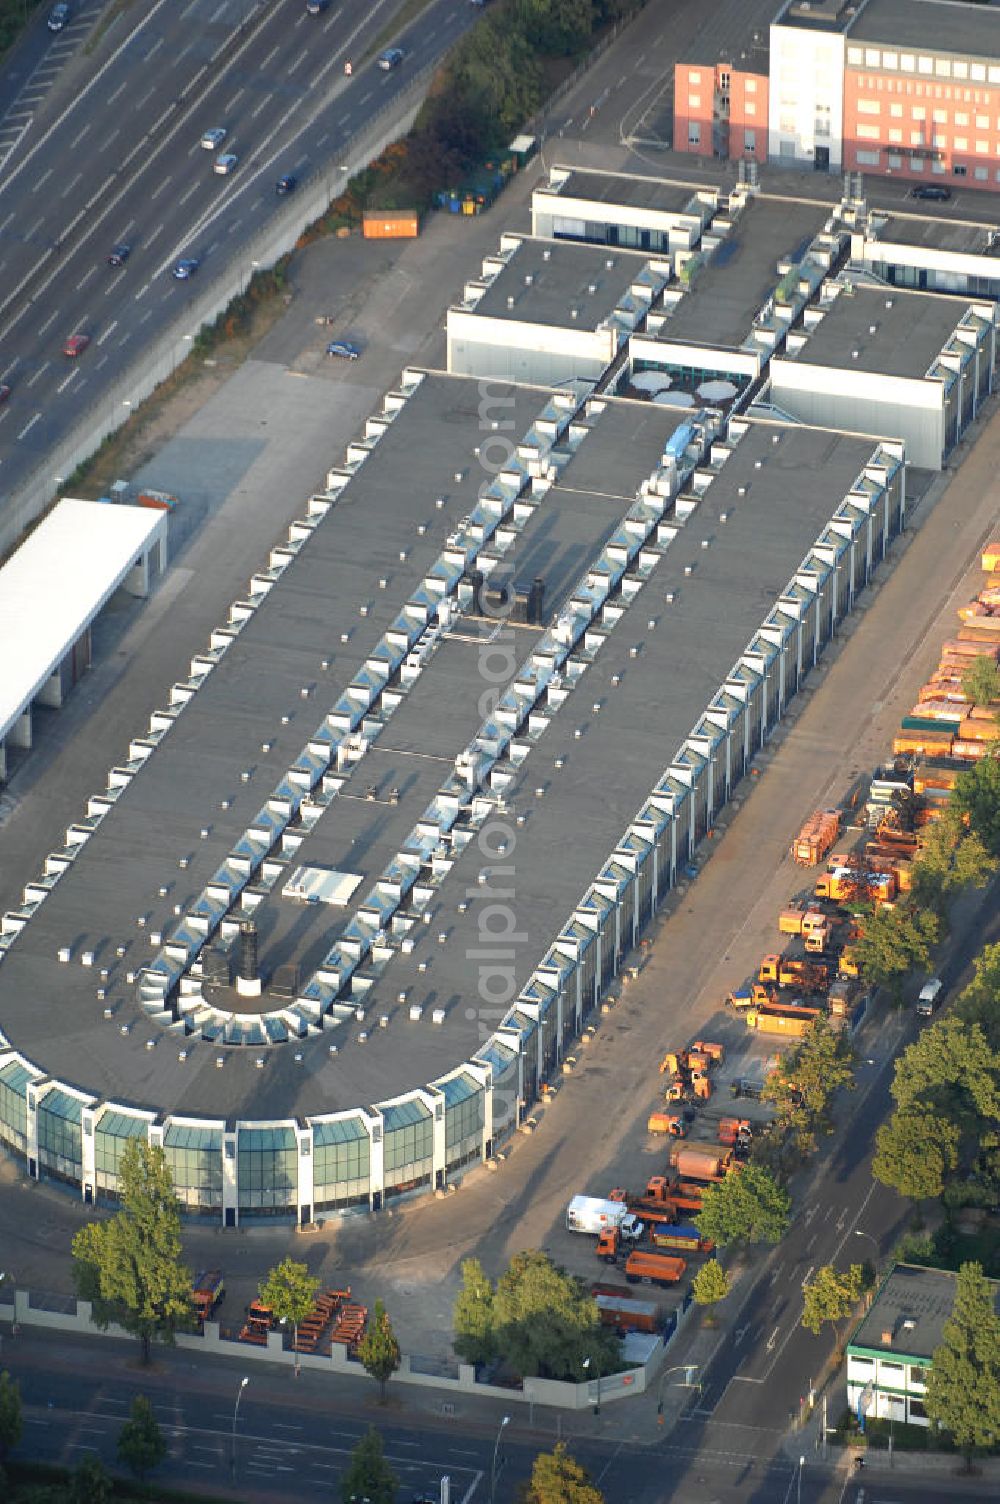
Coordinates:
<point>473,1318</point>
<point>130,1266</point>
<point>710,1284</point>
<point>369,1476</point>
<point>978,1003</point>
<point>963,1385</point>
<point>981,681</point>
<point>546,1321</point>
<point>976,796</point>
<point>141,1443</point>
<point>951,858</point>
<point>894,942</point>
<point>378,1348</point>
<point>89,1483</point>
<point>557,1478</point>
<point>289,1290</point>
<point>830,1296</point>
<point>915,1152</point>
<point>747,1207</point>
<point>804,1083</point>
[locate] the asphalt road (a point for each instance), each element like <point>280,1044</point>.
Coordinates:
<point>121,160</point>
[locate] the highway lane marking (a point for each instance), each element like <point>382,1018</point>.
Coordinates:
<point>805,1277</point>
<point>109,331</point>
<point>260,109</point>
<point>120,90</point>
<point>65,383</point>
<point>35,228</point>
<point>190,193</point>
<point>773,1338</point>
<point>320,141</point>
<point>113,285</point>
<point>297,63</point>
<point>228,108</point>
<point>282,1426</point>
<point>161,185</point>
<point>44,178</point>
<point>80,134</point>
<point>86,278</point>
<point>154,49</point>
<point>37,377</point>
<point>113,137</point>
<point>70,186</point>
<point>49,322</point>
<point>148,95</point>
<point>273,52</point>
<point>365,97</point>
<point>142,291</point>
<point>7,221</point>
<point>219,11</point>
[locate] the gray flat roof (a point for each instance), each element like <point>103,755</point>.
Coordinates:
<point>629,190</point>
<point>817,15</point>
<point>606,774</point>
<point>911,330</point>
<point>734,286</point>
<point>910,1294</point>
<point>941,234</point>
<point>938,25</point>
<point>172,810</point>
<point>561,273</point>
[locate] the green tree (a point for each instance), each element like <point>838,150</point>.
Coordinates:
<point>89,1483</point>
<point>915,1152</point>
<point>747,1207</point>
<point>976,795</point>
<point>555,28</point>
<point>951,858</point>
<point>710,1284</point>
<point>830,1296</point>
<point>963,1385</point>
<point>557,1478</point>
<point>289,1290</point>
<point>895,942</point>
<point>981,681</point>
<point>473,1316</point>
<point>130,1266</point>
<point>141,1443</point>
<point>546,1321</point>
<point>379,1350</point>
<point>806,1079</point>
<point>950,1066</point>
<point>11,1424</point>
<point>978,1003</point>
<point>369,1476</point>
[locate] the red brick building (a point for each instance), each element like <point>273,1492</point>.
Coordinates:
<point>720,111</point>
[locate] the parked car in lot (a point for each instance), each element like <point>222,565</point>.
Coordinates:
<point>390,58</point>
<point>226,164</point>
<point>186,268</point>
<point>119,254</point>
<point>76,344</point>
<point>58,17</point>
<point>341,349</point>
<point>213,139</point>
<point>935,192</point>
<point>286,184</point>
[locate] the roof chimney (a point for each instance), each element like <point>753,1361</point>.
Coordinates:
<point>248,982</point>
<point>887,1337</point>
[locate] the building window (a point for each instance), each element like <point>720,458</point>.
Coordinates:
<point>60,1142</point>
<point>896,136</point>
<point>940,117</point>
<point>694,77</point>
<point>918,112</point>
<point>751,86</point>
<point>977,72</point>
<point>908,62</point>
<point>194,1156</point>
<point>896,111</point>
<point>868,158</point>
<point>916,138</point>
<point>890,60</point>
<point>867,132</point>
<point>14,1105</point>
<point>409,1135</point>
<point>786,125</point>
<point>961,143</point>
<point>961,119</point>
<point>941,142</point>
<point>267,1170</point>
<point>960,70</point>
<point>749,109</point>
<point>916,164</point>
<point>982,122</point>
<point>895,162</point>
<point>749,140</point>
<point>341,1162</point>
<point>942,67</point>
<point>694,133</point>
<point>110,1137</point>
<point>960,170</point>
<point>982,174</point>
<point>855,56</point>
<point>869,107</point>
<point>694,101</point>
<point>982,148</point>
<point>937,167</point>
<point>994,73</point>
<point>873,58</point>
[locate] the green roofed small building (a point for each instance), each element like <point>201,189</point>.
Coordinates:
<point>892,1349</point>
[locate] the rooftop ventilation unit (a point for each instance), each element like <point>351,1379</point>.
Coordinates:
<point>574,313</point>
<point>547,254</point>
<point>529,277</point>
<point>510,301</point>
<point>855,354</point>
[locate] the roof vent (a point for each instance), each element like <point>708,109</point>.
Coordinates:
<point>259,1062</point>
<point>297,1057</point>
<point>510,302</point>
<point>908,1324</point>
<point>416,1012</point>
<point>220,1061</point>
<point>669,597</point>
<point>776,438</point>
<point>758,464</point>
<point>890,302</point>
<point>547,254</point>
<point>333,1049</point>
<point>437,1016</point>
<point>362,1037</point>
<point>723,516</point>
<point>109,1013</point>
<point>225,804</point>
<point>120,951</point>
<point>439,500</point>
<point>886,1337</point>
<point>402,556</point>
<point>64,954</point>
<point>124,1028</point>
<point>163,890</point>
<point>383,583</point>
<point>324,664</point>
<point>178,910</point>
<point>421,528</point>
<point>689,569</point>
<point>574,313</point>
<point>741,490</point>
<point>364,611</point>
<point>182,1055</point>
<point>183,862</point>
<point>529,277</point>
<point>150,1044</point>
<point>383,1020</point>
<point>592,288</point>
<point>633,652</point>
<point>610,263</point>
<point>855,354</point>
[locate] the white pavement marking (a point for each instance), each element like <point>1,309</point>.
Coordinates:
<point>109,331</point>
<point>37,377</point>
<point>49,322</point>
<point>44,178</point>
<point>86,278</point>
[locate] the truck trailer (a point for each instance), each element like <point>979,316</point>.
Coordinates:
<point>654,1269</point>
<point>592,1215</point>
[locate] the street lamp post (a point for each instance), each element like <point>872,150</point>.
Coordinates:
<point>688,1369</point>
<point>496,1452</point>
<point>236,1410</point>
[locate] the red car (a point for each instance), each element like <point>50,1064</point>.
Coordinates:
<point>76,344</point>
<point>4,392</point>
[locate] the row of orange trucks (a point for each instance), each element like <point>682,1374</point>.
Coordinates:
<point>944,727</point>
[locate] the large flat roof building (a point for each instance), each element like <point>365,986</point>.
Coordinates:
<point>261,944</point>
<point>621,209</point>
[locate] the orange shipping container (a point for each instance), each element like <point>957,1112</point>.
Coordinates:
<point>969,644</point>
<point>390,224</point>
<point>978,731</point>
<point>938,743</point>
<point>991,557</point>
<point>970,751</point>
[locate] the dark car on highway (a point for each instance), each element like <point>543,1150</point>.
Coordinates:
<point>4,392</point>
<point>390,58</point>
<point>186,268</point>
<point>286,184</point>
<point>935,192</point>
<point>119,254</point>
<point>58,17</point>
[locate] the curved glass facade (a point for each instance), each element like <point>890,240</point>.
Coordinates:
<point>194,1156</point>
<point>341,1158</point>
<point>60,1136</point>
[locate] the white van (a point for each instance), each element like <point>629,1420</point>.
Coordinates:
<point>930,996</point>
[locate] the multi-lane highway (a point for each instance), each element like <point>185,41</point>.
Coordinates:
<point>116,156</point>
